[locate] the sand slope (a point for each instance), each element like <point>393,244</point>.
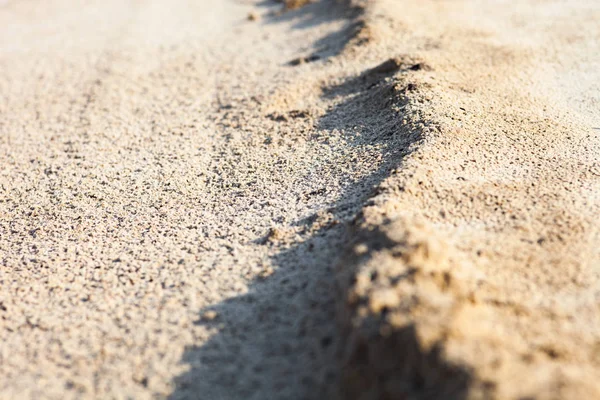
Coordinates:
<point>478,260</point>
<point>181,181</point>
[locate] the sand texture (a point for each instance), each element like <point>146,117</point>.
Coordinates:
<point>354,199</point>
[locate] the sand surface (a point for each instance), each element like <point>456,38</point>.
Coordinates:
<point>241,200</point>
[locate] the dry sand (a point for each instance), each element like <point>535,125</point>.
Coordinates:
<point>180,181</point>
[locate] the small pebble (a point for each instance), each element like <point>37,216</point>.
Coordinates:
<point>209,315</point>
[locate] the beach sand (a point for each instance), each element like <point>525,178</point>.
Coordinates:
<point>364,199</point>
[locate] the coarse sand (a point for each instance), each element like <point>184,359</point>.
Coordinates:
<point>354,199</point>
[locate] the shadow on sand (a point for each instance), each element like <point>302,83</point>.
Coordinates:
<point>315,14</point>
<point>243,359</point>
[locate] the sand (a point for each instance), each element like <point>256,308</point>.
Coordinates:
<point>247,199</point>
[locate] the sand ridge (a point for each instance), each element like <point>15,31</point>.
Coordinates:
<point>191,198</point>
<point>506,175</point>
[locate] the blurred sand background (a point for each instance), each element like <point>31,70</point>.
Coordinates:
<point>371,199</point>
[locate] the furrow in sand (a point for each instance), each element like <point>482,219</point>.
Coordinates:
<point>473,272</point>
<point>176,182</point>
